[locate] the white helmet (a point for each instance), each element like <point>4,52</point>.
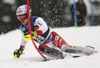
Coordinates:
<point>23,10</point>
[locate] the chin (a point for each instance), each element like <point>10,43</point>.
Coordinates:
<point>23,23</point>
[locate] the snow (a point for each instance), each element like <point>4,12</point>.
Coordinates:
<point>80,36</point>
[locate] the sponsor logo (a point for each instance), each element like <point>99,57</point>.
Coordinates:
<point>36,28</point>
<point>23,28</point>
<point>56,38</point>
<point>19,11</point>
<point>39,23</point>
<point>26,37</point>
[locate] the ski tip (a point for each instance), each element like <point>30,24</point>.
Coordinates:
<point>94,51</point>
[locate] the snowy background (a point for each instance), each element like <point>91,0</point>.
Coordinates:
<point>88,6</point>
<point>55,12</point>
<point>81,36</point>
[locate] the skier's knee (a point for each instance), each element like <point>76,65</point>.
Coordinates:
<point>64,47</point>
<point>42,47</point>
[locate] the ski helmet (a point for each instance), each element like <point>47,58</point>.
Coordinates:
<point>22,10</point>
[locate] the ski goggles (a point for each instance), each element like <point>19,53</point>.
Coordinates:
<point>21,17</point>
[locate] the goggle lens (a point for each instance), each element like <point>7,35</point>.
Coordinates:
<point>21,17</point>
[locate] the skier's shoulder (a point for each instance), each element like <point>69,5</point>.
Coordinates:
<point>37,18</point>
<point>34,17</point>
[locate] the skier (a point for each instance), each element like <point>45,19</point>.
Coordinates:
<point>41,33</point>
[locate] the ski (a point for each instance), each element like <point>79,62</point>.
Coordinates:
<point>71,56</point>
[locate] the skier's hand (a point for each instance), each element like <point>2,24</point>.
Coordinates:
<point>18,52</point>
<point>34,34</point>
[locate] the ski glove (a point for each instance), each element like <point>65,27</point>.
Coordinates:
<point>18,52</point>
<point>28,37</point>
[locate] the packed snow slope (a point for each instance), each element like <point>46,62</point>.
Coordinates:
<point>81,36</point>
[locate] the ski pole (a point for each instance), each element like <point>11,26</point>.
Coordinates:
<point>31,32</point>
<point>92,18</point>
<point>75,16</point>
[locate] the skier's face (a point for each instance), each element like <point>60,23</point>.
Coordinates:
<point>80,2</point>
<point>23,19</point>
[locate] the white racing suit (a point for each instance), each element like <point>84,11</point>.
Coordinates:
<point>45,33</point>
